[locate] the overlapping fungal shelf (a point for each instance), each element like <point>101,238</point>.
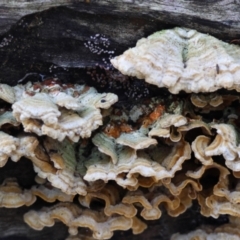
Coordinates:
<point>226,231</point>
<point>183,59</point>
<point>160,152</point>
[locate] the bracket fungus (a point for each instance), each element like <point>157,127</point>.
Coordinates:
<point>74,217</point>
<point>124,164</point>
<point>182,59</point>
<point>13,196</point>
<point>225,231</point>
<point>57,110</point>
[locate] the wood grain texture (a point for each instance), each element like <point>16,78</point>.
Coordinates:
<point>214,16</point>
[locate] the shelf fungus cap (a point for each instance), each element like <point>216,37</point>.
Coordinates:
<point>7,93</point>
<point>226,143</point>
<point>225,231</point>
<point>106,145</point>
<point>8,118</point>
<point>13,196</point>
<point>8,146</point>
<point>39,106</point>
<point>205,235</point>
<point>162,127</point>
<point>110,195</point>
<point>182,59</point>
<point>60,113</point>
<point>67,177</point>
<point>151,210</point>
<point>16,147</point>
<point>135,140</point>
<point>74,217</point>
<point>201,101</point>
<point>51,194</point>
<point>134,169</point>
<point>65,212</point>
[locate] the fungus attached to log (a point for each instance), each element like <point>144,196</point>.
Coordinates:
<point>57,111</point>
<point>183,59</point>
<point>74,217</point>
<point>225,231</point>
<point>12,195</point>
<point>159,153</point>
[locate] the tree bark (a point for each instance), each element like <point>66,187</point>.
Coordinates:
<point>219,17</point>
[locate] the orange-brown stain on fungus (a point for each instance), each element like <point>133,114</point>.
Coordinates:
<point>154,115</point>
<point>37,86</point>
<point>157,113</point>
<point>114,129</point>
<point>126,128</point>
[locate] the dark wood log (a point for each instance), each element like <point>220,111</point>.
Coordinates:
<point>214,16</point>
<point>55,41</point>
<point>58,35</point>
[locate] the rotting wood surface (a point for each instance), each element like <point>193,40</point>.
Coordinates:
<point>213,16</point>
